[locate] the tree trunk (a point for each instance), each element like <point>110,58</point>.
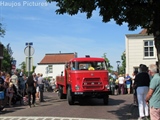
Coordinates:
<point>157,45</point>
<point>156,30</point>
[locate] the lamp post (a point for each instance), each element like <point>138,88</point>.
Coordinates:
<point>118,62</point>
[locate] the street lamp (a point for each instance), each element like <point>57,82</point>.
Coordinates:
<point>118,62</point>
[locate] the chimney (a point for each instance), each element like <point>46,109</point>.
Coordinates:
<point>75,54</point>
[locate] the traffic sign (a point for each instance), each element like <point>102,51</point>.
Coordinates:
<point>29,51</point>
<point>29,64</point>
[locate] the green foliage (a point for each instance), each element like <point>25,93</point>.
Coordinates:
<point>2,30</point>
<point>109,67</point>
<point>137,13</point>
<point>7,59</point>
<point>23,66</point>
<point>123,67</point>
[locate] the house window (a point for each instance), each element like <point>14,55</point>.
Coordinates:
<point>148,48</point>
<point>136,69</point>
<point>50,70</point>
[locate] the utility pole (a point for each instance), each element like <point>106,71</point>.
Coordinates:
<point>29,51</point>
<point>118,62</point>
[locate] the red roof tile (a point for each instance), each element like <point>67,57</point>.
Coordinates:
<point>57,58</point>
<point>143,32</point>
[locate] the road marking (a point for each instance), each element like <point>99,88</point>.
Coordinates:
<point>44,118</point>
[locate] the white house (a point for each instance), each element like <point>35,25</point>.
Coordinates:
<point>140,49</point>
<point>53,64</point>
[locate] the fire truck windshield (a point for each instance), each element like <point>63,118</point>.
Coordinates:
<point>86,64</point>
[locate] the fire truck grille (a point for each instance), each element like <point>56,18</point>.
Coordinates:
<point>92,84</point>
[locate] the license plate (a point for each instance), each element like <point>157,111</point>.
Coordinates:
<point>78,93</point>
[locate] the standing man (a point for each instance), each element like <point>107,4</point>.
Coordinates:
<point>14,80</point>
<point>21,73</point>
<point>21,81</point>
<point>31,89</point>
<point>2,89</point>
<point>128,83</point>
<point>153,95</point>
<point>41,87</point>
<point>3,75</point>
<point>37,86</point>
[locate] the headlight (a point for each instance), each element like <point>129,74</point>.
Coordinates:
<point>77,87</point>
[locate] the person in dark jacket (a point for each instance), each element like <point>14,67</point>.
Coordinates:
<point>142,81</point>
<point>2,91</point>
<point>31,89</point>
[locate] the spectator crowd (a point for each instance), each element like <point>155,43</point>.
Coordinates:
<point>145,86</point>
<point>20,88</point>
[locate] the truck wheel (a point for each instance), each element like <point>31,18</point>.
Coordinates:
<point>70,98</point>
<point>60,93</point>
<point>105,99</point>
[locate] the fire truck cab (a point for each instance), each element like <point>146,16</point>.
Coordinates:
<point>84,77</point>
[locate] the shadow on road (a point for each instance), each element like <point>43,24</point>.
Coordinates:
<point>97,102</point>
<point>53,100</point>
<point>125,110</point>
<point>13,109</point>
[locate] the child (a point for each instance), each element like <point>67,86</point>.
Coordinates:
<point>10,92</point>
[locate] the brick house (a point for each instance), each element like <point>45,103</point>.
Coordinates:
<point>53,64</point>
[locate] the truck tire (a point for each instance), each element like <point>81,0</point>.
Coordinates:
<point>70,98</point>
<point>105,99</point>
<point>60,93</point>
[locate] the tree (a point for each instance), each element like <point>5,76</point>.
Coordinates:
<point>23,66</point>
<point>123,67</point>
<point>109,67</point>
<point>137,13</point>
<point>7,59</point>
<point>2,30</point>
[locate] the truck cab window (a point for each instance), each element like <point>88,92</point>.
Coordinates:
<point>72,65</point>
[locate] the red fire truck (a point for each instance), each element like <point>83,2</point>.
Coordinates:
<point>80,81</point>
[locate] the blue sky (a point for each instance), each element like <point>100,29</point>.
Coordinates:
<point>36,21</point>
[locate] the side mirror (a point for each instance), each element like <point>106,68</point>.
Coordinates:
<point>62,73</point>
<point>66,65</point>
<point>108,65</point>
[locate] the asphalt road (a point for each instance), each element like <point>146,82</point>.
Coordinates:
<point>120,108</point>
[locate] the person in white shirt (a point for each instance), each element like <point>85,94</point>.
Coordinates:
<point>121,82</point>
<point>14,80</point>
<point>40,84</point>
